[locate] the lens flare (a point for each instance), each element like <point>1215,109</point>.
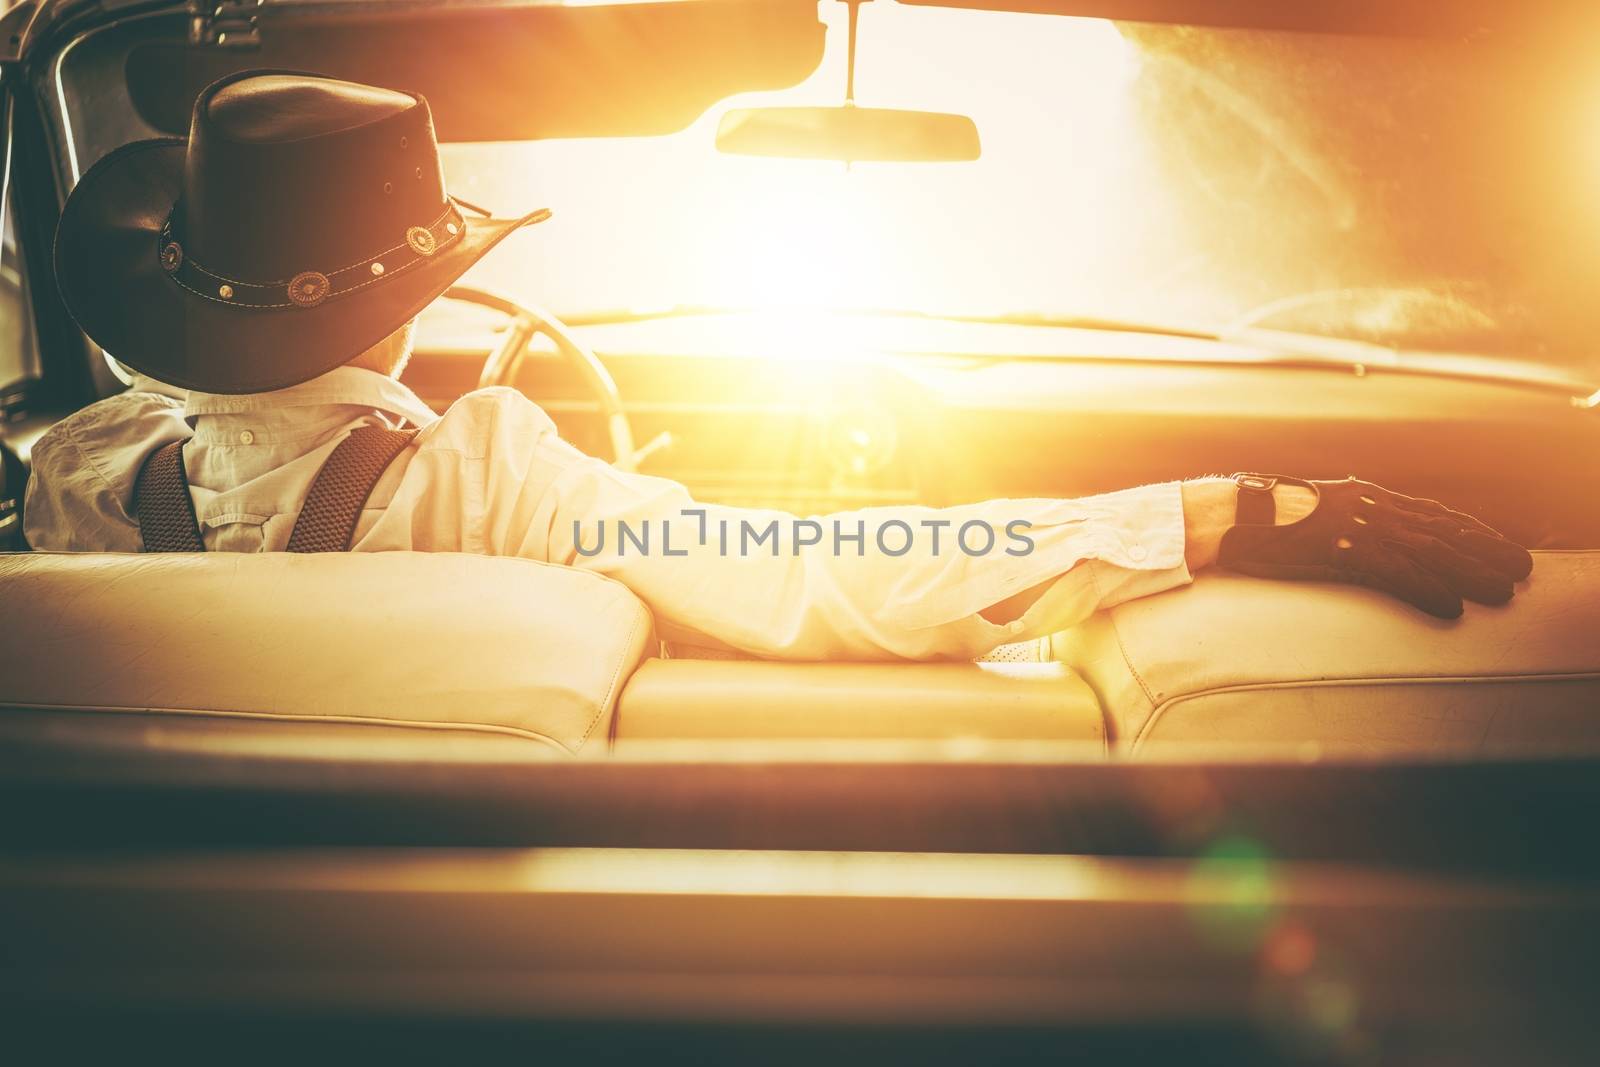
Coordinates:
<point>1231,894</point>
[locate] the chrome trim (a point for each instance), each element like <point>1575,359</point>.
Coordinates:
<point>63,118</point>
<point>61,89</point>
<point>5,177</point>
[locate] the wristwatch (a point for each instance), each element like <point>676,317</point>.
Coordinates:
<point>1254,505</point>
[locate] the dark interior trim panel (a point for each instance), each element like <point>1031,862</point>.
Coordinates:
<point>1527,817</point>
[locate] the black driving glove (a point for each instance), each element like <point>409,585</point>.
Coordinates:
<point>1417,550</point>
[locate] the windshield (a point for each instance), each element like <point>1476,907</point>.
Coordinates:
<point>1398,191</point>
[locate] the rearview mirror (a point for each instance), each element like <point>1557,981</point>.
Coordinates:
<point>849,134</point>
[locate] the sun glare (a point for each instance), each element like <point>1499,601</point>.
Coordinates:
<point>788,233</point>
<point>783,232</point>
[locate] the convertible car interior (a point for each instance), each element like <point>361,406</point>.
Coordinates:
<point>403,801</point>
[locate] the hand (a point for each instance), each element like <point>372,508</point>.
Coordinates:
<point>1416,550</point>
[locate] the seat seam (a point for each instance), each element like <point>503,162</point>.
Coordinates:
<point>1127,660</point>
<point>272,716</point>
<point>1352,683</point>
<point>611,691</point>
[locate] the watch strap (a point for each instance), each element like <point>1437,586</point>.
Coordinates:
<point>1254,505</point>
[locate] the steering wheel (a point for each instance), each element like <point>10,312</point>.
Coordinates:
<point>503,364</point>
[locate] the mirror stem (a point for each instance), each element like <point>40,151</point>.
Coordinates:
<point>850,61</point>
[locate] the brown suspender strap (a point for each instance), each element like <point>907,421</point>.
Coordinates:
<point>327,521</point>
<point>161,495</point>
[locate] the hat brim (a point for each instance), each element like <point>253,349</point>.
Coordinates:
<point>110,275</point>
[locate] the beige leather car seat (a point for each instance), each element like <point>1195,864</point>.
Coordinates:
<point>1235,660</point>
<point>446,642</point>
<point>422,652</point>
<point>418,653</point>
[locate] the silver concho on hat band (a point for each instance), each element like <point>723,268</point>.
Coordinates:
<point>421,240</point>
<point>308,288</point>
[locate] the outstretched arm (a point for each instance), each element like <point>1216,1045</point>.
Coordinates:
<point>895,582</point>
<point>1208,511</point>
<point>913,582</point>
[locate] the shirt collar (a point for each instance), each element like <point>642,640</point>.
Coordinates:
<point>340,387</point>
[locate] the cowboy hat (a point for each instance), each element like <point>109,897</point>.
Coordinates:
<point>303,221</point>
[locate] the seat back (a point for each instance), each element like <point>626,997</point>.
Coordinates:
<point>437,640</point>
<point>1237,660</point>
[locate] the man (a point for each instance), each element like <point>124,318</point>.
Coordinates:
<point>273,267</point>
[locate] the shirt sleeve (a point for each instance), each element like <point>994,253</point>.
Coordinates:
<point>877,583</point>
<point>80,491</point>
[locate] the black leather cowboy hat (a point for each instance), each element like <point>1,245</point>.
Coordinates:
<point>304,220</point>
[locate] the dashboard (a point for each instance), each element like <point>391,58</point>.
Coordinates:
<point>812,433</point>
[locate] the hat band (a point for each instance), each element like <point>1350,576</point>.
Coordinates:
<point>309,288</point>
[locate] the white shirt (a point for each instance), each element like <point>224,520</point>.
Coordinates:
<point>492,476</point>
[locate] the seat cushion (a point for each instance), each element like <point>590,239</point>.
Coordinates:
<point>493,645</point>
<point>697,699</point>
<point>1236,660</point>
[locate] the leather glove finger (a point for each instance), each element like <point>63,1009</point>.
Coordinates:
<point>1464,574</point>
<point>1424,506</point>
<point>1468,535</point>
<point>1390,567</point>
<point>1506,557</point>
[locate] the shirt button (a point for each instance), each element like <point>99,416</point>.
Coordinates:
<point>247,437</point>
<point>1137,553</point>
